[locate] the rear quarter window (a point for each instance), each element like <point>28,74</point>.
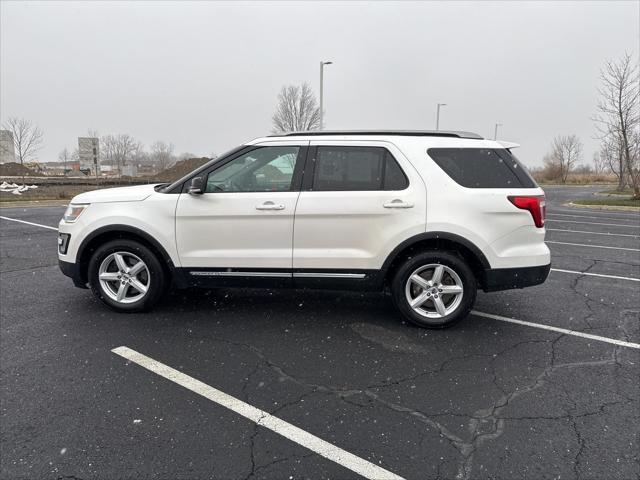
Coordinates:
<point>482,167</point>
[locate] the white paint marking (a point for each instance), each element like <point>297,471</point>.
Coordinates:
<point>558,329</point>
<point>29,223</point>
<point>621,214</point>
<point>594,223</point>
<point>260,417</point>
<point>593,233</point>
<point>594,246</point>
<point>632,279</point>
<point>594,217</point>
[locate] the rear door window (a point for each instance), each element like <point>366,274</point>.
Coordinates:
<point>343,168</point>
<point>482,167</point>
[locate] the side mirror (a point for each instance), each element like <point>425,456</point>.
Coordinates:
<point>196,186</point>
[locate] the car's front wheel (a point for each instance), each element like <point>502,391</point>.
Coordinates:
<point>434,289</point>
<point>126,275</point>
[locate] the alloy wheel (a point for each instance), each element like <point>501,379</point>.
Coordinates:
<point>434,290</point>
<point>124,277</point>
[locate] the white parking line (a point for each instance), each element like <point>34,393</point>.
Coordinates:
<point>593,233</point>
<point>593,246</point>
<point>29,223</point>
<point>594,217</point>
<point>260,417</point>
<point>631,279</point>
<point>594,213</point>
<point>593,223</point>
<point>558,329</point>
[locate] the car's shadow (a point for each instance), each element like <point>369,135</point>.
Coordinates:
<point>285,303</point>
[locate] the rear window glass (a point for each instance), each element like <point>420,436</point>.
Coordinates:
<point>482,167</point>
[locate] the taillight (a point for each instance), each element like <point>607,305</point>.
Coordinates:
<point>536,205</point>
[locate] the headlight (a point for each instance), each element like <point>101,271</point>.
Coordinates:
<point>73,212</point>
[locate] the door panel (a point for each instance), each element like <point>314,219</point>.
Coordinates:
<point>230,230</point>
<point>228,227</point>
<point>356,230</point>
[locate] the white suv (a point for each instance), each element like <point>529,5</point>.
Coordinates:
<point>431,215</point>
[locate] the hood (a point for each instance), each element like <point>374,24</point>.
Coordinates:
<point>121,194</point>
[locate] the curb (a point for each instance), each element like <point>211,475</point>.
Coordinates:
<point>35,203</point>
<point>604,207</point>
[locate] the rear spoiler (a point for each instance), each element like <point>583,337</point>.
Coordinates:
<point>508,145</point>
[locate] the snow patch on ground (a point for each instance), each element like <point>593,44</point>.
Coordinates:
<point>15,188</point>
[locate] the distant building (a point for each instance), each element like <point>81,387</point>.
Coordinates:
<point>89,154</point>
<point>147,169</point>
<point>130,170</point>
<point>60,168</point>
<point>7,150</point>
<point>108,171</point>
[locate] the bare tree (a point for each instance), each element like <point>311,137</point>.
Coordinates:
<point>162,155</point>
<point>566,152</point>
<point>27,138</point>
<point>551,169</point>
<point>64,156</point>
<point>297,110</point>
<point>118,150</point>
<point>600,163</point>
<point>611,155</point>
<point>618,117</point>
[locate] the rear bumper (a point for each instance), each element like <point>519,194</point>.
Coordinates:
<point>507,278</point>
<point>72,271</point>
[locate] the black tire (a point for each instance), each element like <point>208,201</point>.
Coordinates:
<point>155,275</point>
<point>447,259</point>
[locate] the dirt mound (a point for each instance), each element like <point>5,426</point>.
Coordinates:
<point>180,169</point>
<point>13,169</point>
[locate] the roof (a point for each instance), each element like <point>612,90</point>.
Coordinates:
<point>404,133</point>
<point>508,145</point>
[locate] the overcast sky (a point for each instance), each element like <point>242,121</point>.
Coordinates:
<point>205,76</point>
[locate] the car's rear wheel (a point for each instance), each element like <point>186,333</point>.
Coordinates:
<point>434,289</point>
<point>127,276</point>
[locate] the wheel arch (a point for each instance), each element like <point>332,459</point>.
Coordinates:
<point>434,241</point>
<point>113,232</point>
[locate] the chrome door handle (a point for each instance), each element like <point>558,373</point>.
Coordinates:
<point>397,203</point>
<point>270,206</point>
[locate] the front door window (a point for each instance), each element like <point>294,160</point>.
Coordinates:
<point>265,169</point>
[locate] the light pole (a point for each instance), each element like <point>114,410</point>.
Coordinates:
<point>438,115</point>
<point>322,64</point>
<point>495,131</point>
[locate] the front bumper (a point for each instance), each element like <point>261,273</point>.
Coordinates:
<point>72,271</point>
<point>507,278</point>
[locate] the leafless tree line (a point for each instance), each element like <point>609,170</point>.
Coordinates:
<point>566,153</point>
<point>120,150</point>
<point>618,124</point>
<point>618,121</point>
<point>116,150</point>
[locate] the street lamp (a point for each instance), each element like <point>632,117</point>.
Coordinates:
<point>322,64</point>
<point>495,131</point>
<point>438,115</point>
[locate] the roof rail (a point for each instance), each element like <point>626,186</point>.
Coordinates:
<point>404,133</point>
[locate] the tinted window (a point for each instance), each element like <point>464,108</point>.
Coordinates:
<point>394,178</point>
<point>357,169</point>
<point>265,169</point>
<point>482,167</point>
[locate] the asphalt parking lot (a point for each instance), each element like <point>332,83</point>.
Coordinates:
<point>558,397</point>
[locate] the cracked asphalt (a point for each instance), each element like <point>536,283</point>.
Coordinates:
<point>482,400</point>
